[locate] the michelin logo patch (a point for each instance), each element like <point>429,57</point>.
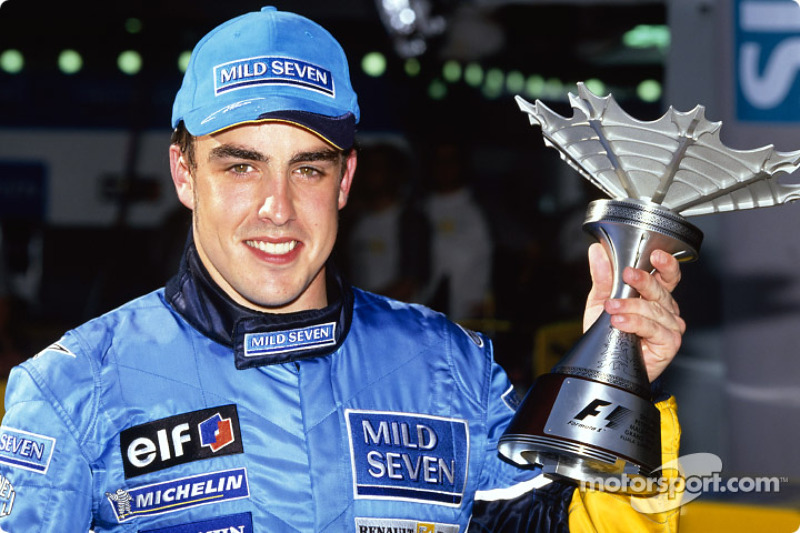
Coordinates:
<point>235,523</point>
<point>293,340</point>
<point>411,457</point>
<point>170,496</point>
<point>386,525</point>
<point>266,70</point>
<point>22,449</point>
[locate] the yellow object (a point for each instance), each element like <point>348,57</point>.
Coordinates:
<point>551,342</point>
<point>3,383</point>
<point>712,517</point>
<point>594,511</point>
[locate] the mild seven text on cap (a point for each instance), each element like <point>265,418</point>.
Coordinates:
<point>265,70</point>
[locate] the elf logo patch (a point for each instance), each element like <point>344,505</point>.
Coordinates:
<point>180,439</point>
<point>216,432</point>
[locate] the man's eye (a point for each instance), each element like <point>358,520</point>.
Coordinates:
<point>309,172</point>
<point>241,168</point>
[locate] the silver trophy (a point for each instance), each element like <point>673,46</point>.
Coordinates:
<point>592,418</point>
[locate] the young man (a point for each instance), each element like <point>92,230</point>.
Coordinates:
<point>259,392</point>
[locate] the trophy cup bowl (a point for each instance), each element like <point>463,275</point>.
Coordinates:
<point>592,419</point>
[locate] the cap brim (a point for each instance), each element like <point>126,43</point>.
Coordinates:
<point>337,130</point>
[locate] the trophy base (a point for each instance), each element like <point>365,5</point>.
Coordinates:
<point>586,431</point>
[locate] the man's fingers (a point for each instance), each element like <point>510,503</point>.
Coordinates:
<point>668,269</point>
<point>600,266</point>
<point>651,288</point>
<point>643,317</point>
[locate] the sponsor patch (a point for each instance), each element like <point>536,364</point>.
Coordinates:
<point>235,523</point>
<point>170,496</point>
<point>292,340</point>
<point>22,449</point>
<point>7,497</point>
<point>57,348</point>
<point>411,457</point>
<point>267,70</point>
<point>474,337</point>
<point>180,439</point>
<point>388,525</point>
<point>511,399</point>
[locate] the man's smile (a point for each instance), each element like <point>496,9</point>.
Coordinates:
<point>273,248</point>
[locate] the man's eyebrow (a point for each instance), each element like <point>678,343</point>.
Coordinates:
<point>228,151</point>
<point>318,155</point>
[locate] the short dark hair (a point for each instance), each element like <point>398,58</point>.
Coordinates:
<point>185,142</point>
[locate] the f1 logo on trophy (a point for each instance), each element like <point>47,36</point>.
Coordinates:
<point>592,417</point>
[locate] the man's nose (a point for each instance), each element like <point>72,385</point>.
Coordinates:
<point>278,205</point>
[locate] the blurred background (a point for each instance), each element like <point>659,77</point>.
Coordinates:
<point>457,203</point>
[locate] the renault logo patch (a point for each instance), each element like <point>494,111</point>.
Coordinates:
<point>388,525</point>
<point>292,340</point>
<point>411,457</point>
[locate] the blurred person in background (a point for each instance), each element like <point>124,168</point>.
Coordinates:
<point>388,244</point>
<point>461,243</point>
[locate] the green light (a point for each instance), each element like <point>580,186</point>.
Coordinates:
<point>649,90</point>
<point>183,60</point>
<point>493,84</point>
<point>133,25</point>
<point>11,61</point>
<point>646,36</point>
<point>451,71</point>
<point>70,61</point>
<point>553,88</point>
<point>515,82</point>
<point>130,62</point>
<point>473,75</point>
<point>412,67</point>
<point>534,86</point>
<point>596,86</point>
<point>374,64</point>
<point>437,90</point>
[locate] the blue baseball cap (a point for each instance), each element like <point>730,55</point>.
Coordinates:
<point>269,65</point>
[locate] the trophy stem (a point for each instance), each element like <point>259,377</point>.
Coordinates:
<point>592,417</point>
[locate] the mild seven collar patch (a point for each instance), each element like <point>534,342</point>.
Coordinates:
<point>258,338</point>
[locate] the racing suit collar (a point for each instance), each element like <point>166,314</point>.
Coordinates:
<point>259,338</point>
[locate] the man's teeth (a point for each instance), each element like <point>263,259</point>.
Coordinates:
<point>274,248</point>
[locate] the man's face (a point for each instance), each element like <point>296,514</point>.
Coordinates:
<point>265,199</point>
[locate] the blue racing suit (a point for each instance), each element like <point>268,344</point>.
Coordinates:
<point>182,411</point>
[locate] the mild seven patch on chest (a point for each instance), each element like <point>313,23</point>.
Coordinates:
<point>292,340</point>
<point>409,457</point>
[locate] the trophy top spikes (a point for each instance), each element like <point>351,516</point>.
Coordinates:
<point>677,161</point>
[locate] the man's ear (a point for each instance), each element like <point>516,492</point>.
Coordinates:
<point>347,178</point>
<point>181,176</point>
